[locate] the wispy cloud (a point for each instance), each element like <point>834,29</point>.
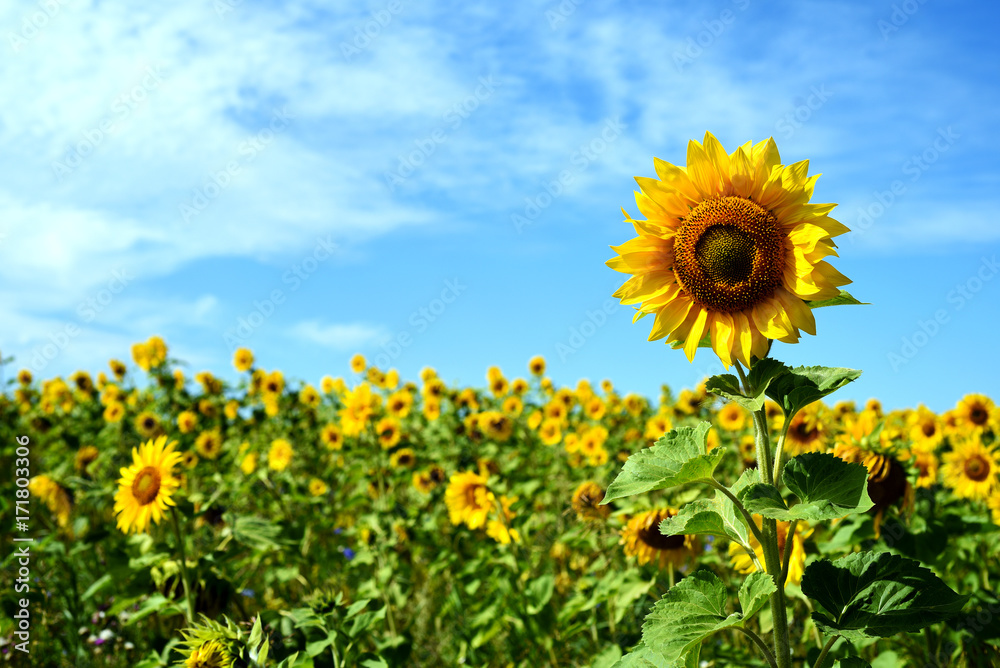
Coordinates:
<point>340,337</point>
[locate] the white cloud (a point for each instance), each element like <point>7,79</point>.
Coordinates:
<point>341,337</point>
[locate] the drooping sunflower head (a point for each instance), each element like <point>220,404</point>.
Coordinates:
<point>146,487</point>
<point>730,250</point>
<point>643,540</point>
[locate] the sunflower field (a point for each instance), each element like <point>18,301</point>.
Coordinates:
<point>372,521</point>
<point>161,520</point>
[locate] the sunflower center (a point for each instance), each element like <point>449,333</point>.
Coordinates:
<point>929,429</point>
<point>978,415</point>
<point>977,468</point>
<point>146,485</point>
<point>650,535</point>
<point>729,254</point>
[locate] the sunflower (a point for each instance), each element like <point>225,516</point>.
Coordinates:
<point>146,487</point>
<point>243,359</point>
<point>179,381</point>
<point>432,409</point>
<point>970,469</point>
<point>887,483</point>
<point>331,436</point>
<point>249,463</point>
<point>118,368</point>
<point>84,457</point>
<point>975,412</point>
<point>468,499</point>
<point>536,365</point>
<point>211,654</point>
<point>926,464</point>
<point>279,455</point>
<point>496,425</point>
<point>587,502</point>
<point>24,377</point>
<point>657,426</point>
<point>273,383</point>
<point>519,386</point>
<point>317,487</point>
<point>500,530</point>
<point>875,406</point>
<point>742,562</point>
<point>642,539</point>
<point>400,403</point>
<point>512,406</point>
<point>55,497</point>
<point>114,411</point>
<point>403,458</point>
<point>550,431</point>
<point>806,431</point>
<point>187,421</point>
<point>634,404</point>
<point>189,459</point>
<point>358,363</point>
<point>925,429</point>
<point>748,451</point>
<point>994,505</point>
<point>499,386</point>
<point>388,432</point>
<point>209,444</point>
<point>147,424</point>
<point>731,417</point>
<point>730,251</point>
<point>423,482</point>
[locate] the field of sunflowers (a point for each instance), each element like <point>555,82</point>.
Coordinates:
<point>381,521</point>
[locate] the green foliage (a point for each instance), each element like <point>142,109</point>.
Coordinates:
<point>677,458</point>
<point>800,386</point>
<point>870,595</point>
<point>827,488</point>
<point>843,299</point>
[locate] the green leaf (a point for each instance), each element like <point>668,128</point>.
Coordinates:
<point>608,657</point>
<point>679,457</point>
<point>356,607</point>
<point>843,299</point>
<point>755,591</point>
<point>853,662</point>
<point>827,487</point>
<point>800,386</point>
<point>157,603</point>
<point>693,610</point>
<point>318,647</point>
<point>873,595</point>
<point>718,517</point>
<point>641,657</point>
<point>97,586</point>
<point>539,592</point>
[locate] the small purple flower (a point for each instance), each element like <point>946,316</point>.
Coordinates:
<point>349,553</point>
<point>249,593</point>
<point>338,531</point>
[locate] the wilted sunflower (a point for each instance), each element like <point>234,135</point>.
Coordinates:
<point>742,562</point>
<point>730,250</point>
<point>642,539</point>
<point>970,469</point>
<point>468,499</point>
<point>587,502</point>
<point>146,487</point>
<point>887,483</point>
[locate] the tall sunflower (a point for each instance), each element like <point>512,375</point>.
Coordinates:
<point>730,250</point>
<point>146,487</point>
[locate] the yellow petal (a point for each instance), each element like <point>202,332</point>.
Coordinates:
<point>696,333</point>
<point>798,312</point>
<point>676,179</point>
<point>722,337</point>
<point>669,318</point>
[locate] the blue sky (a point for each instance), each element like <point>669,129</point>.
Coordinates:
<point>449,176</point>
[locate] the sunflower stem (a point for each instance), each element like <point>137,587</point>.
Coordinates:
<point>189,607</point>
<point>670,574</point>
<point>757,640</point>
<point>825,651</point>
<point>779,453</point>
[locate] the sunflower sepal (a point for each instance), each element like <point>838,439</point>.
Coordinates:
<point>851,594</point>
<point>826,486</point>
<point>845,298</point>
<point>679,457</point>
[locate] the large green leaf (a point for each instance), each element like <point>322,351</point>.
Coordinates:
<point>679,457</point>
<point>716,517</point>
<point>800,386</point>
<point>696,608</point>
<point>827,487</point>
<point>843,299</point>
<point>872,595</point>
<point>763,373</point>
